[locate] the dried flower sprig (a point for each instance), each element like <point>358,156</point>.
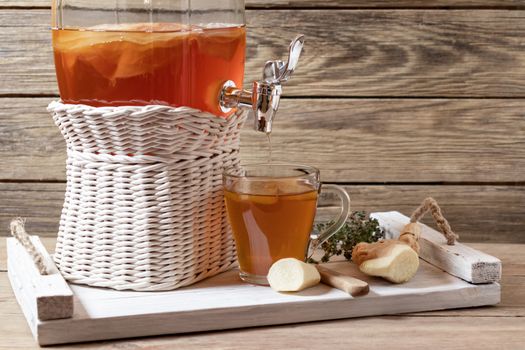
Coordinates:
<point>358,228</point>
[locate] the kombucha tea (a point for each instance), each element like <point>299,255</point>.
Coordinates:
<point>140,64</point>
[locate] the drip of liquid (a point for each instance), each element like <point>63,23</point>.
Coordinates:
<point>269,147</point>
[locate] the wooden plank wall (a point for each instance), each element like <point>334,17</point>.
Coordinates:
<point>395,100</point>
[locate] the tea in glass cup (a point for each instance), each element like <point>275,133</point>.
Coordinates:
<point>271,209</point>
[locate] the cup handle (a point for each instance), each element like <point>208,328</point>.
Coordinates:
<point>316,239</point>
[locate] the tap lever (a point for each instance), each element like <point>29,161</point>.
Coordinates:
<point>296,47</point>
<point>279,71</point>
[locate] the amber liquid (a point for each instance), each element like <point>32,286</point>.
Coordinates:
<point>272,222</point>
<point>140,64</point>
<point>268,136</point>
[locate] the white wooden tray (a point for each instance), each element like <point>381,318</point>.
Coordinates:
<point>224,302</point>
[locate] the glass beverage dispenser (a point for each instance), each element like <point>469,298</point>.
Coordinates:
<point>162,52</point>
<point>151,110</point>
<point>147,52</point>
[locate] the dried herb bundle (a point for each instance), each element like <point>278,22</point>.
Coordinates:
<point>358,228</point>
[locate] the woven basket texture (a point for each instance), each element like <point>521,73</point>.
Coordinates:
<point>144,207</point>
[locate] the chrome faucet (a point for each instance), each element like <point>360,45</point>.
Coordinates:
<point>265,95</point>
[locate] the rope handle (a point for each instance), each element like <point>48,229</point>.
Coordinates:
<point>18,231</point>
<point>430,204</point>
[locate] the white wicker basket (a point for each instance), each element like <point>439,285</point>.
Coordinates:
<point>143,208</point>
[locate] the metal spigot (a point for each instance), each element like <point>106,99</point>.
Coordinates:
<point>265,95</point>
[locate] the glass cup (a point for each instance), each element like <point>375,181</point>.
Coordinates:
<point>271,209</point>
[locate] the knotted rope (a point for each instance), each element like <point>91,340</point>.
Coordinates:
<point>430,204</point>
<point>18,231</point>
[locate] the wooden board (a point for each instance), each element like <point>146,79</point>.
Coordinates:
<point>490,328</point>
<point>264,4</point>
<point>371,53</point>
<point>512,282</point>
<point>385,3</point>
<point>361,53</point>
<point>511,255</point>
<point>377,140</point>
<point>224,302</point>
<point>477,213</point>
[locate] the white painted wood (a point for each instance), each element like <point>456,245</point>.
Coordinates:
<point>27,304</point>
<point>45,297</point>
<point>224,302</point>
<point>459,260</point>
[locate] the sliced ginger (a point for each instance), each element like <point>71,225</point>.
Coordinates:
<point>292,275</point>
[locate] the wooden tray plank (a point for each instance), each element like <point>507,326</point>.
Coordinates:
<point>369,142</point>
<point>476,212</point>
<point>347,53</point>
<point>286,4</point>
<point>224,302</point>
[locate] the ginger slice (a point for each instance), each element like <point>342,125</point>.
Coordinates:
<point>292,275</point>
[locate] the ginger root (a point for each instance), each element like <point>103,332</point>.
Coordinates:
<point>398,260</point>
<point>395,260</point>
<point>292,275</point>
